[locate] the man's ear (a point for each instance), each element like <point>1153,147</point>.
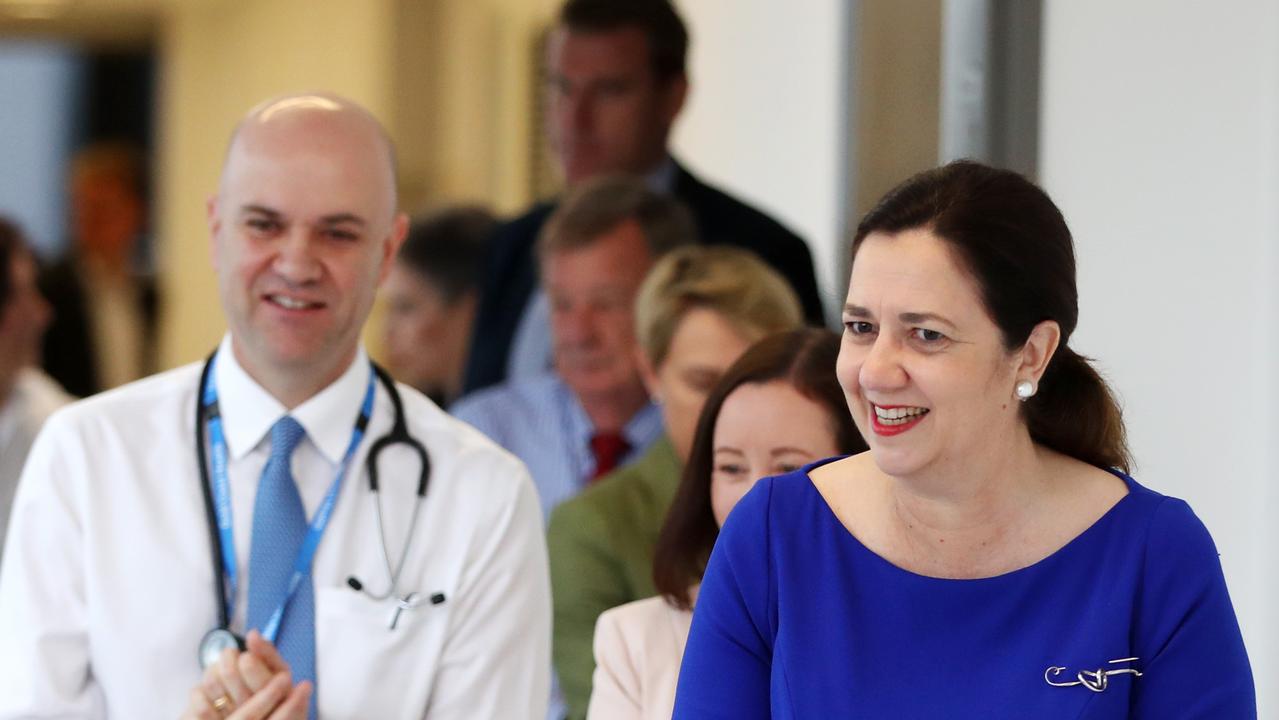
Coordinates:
<point>1038,350</point>
<point>391,246</point>
<point>214,221</point>
<point>673,97</point>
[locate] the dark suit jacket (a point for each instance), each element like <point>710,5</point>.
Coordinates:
<point>510,275</point>
<point>70,356</point>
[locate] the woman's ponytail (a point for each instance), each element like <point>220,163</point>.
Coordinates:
<point>1076,414</point>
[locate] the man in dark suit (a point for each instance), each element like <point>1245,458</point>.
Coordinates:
<point>616,84</point>
<point>104,311</point>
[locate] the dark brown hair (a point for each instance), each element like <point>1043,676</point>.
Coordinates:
<point>11,243</point>
<point>1013,241</point>
<point>448,247</point>
<point>667,36</point>
<point>804,358</point>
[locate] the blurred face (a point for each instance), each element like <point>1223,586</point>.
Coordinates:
<point>592,297</point>
<point>608,113</point>
<point>303,230</point>
<point>922,365</point>
<point>24,316</point>
<point>425,338</point>
<point>704,345</point>
<point>106,213</point>
<point>764,429</point>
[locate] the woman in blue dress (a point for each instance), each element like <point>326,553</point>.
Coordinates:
<point>989,557</point>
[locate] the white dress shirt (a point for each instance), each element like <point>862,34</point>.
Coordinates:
<point>33,399</point>
<point>108,582</point>
<point>638,649</point>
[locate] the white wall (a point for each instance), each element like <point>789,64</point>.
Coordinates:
<point>765,117</point>
<point>1160,141</point>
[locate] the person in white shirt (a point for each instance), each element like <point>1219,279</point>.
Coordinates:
<point>27,396</point>
<point>138,553</point>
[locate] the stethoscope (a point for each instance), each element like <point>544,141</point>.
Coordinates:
<point>221,637</point>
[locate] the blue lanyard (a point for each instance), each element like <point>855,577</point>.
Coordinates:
<point>222,501</point>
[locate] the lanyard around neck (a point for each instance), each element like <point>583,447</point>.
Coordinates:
<point>222,500</point>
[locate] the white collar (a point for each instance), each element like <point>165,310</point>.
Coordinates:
<point>249,411</point>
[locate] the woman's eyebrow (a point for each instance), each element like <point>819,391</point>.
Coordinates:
<point>912,318</point>
<point>787,451</point>
<point>908,318</point>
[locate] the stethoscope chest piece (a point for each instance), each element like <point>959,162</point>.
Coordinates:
<point>214,643</point>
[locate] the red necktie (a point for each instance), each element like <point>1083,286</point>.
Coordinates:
<point>608,449</point>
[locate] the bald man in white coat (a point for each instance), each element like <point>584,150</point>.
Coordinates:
<point>156,519</point>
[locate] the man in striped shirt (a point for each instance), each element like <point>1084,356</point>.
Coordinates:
<point>591,413</point>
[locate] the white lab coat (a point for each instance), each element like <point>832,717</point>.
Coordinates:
<point>108,583</point>
<point>34,398</point>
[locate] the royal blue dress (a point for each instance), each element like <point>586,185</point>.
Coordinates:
<point>797,619</point>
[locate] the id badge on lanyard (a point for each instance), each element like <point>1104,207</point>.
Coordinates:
<point>222,503</point>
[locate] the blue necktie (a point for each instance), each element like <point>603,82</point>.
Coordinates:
<point>279,527</point>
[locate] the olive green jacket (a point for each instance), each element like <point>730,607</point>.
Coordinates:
<point>601,549</point>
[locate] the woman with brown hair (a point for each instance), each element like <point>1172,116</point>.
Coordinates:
<point>989,557</point>
<point>778,408</point>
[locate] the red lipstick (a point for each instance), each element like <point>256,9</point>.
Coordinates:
<point>884,430</point>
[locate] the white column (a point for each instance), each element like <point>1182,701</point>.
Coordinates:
<point>966,78</point>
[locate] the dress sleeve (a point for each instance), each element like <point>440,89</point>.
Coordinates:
<point>727,664</point>
<point>1198,668</point>
<point>584,583</point>
<point>615,690</point>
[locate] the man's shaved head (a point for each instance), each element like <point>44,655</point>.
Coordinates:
<point>305,114</point>
<point>304,228</point>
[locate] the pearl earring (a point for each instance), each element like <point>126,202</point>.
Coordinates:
<point>1025,390</point>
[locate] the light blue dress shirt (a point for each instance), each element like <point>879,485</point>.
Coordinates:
<point>541,422</point>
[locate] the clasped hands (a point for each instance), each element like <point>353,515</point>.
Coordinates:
<point>252,685</point>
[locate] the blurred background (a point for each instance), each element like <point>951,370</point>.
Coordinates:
<point>1153,124</point>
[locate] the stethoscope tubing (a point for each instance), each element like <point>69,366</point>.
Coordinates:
<point>399,434</point>
<point>210,512</point>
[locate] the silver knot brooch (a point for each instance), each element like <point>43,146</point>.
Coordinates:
<point>1095,680</point>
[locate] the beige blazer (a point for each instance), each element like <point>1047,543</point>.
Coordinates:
<point>638,648</point>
